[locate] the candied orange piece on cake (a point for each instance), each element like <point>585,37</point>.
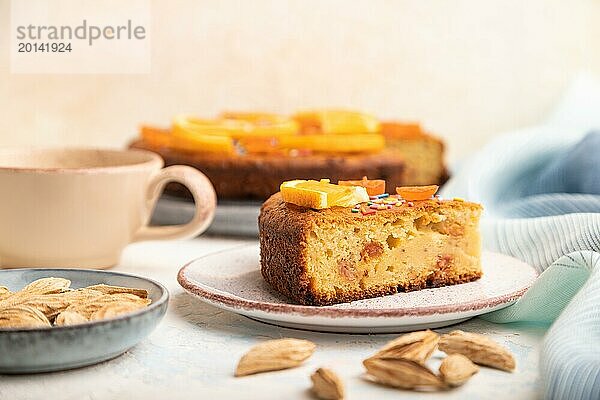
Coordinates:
<point>413,193</point>
<point>374,186</point>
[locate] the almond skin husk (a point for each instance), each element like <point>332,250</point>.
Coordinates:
<point>326,385</point>
<point>274,355</point>
<point>415,346</point>
<point>456,369</point>
<point>403,373</point>
<point>478,348</point>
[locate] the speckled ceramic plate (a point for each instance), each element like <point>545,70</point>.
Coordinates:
<point>231,280</point>
<point>64,347</point>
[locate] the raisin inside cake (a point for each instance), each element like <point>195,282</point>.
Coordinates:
<point>334,255</point>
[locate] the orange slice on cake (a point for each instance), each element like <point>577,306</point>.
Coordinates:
<point>237,125</point>
<point>208,136</point>
<point>322,194</point>
<point>355,143</point>
<point>262,124</point>
<point>338,121</point>
<point>318,143</point>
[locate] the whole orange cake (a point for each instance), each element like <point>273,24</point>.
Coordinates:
<point>248,155</point>
<point>321,244</point>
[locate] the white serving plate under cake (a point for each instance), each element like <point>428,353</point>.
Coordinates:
<point>231,280</point>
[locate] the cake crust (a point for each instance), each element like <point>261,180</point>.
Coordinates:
<point>284,230</point>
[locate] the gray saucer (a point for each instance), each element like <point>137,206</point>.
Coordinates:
<point>232,218</point>
<point>64,347</point>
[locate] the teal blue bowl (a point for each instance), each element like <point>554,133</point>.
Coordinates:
<point>65,347</point>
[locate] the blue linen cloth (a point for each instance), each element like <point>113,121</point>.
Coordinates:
<point>540,188</point>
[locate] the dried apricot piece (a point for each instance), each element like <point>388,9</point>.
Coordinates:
<point>374,186</point>
<point>412,193</point>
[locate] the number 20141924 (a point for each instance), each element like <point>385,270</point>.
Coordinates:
<point>26,47</point>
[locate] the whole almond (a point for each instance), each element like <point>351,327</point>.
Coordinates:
<point>326,385</point>
<point>456,369</point>
<point>80,296</point>
<point>54,300</point>
<point>478,348</point>
<point>13,299</point>
<point>415,346</point>
<point>275,355</point>
<point>108,289</point>
<point>39,287</point>
<point>47,286</point>
<point>112,310</point>
<point>402,373</point>
<point>22,317</point>
<point>88,308</point>
<point>50,305</point>
<point>69,318</point>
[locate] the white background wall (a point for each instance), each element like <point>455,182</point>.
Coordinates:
<point>468,69</point>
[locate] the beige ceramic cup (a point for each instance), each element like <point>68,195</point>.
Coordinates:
<point>81,207</point>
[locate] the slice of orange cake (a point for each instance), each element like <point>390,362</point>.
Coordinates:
<point>323,244</point>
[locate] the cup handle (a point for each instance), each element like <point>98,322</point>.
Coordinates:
<point>205,200</point>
